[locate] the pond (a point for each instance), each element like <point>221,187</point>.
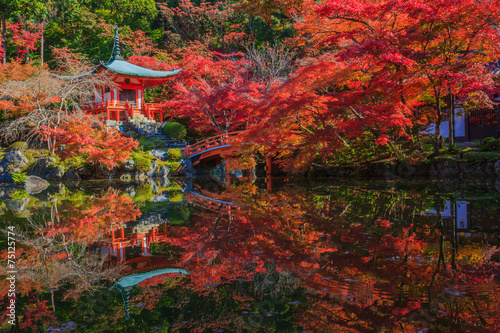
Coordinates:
<point>287,256</point>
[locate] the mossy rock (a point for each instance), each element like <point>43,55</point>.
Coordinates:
<point>142,161</point>
<point>20,145</point>
<point>174,154</point>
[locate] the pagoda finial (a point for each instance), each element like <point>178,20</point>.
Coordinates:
<point>116,47</point>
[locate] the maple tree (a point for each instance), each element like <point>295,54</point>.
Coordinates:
<point>94,143</point>
<point>215,92</point>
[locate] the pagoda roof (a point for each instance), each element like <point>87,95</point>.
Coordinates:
<point>119,66</point>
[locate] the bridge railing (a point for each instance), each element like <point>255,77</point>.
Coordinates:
<point>212,142</point>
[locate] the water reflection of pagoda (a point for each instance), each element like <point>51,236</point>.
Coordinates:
<point>130,245</point>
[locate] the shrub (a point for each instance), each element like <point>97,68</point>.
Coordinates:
<point>175,130</point>
<point>148,144</point>
<point>174,154</point>
<point>19,178</point>
<point>73,162</point>
<point>475,157</point>
<point>18,146</point>
<point>490,144</point>
<point>142,161</point>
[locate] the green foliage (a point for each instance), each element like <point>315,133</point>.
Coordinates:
<point>490,144</point>
<point>175,130</point>
<point>480,157</point>
<point>454,148</point>
<point>20,145</point>
<point>174,155</point>
<point>142,161</point>
<point>149,144</point>
<point>29,156</point>
<point>173,166</point>
<point>167,250</point>
<point>178,215</point>
<point>74,162</point>
<point>19,194</point>
<point>19,178</point>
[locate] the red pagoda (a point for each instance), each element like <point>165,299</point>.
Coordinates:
<point>126,103</point>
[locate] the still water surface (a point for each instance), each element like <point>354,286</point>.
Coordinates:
<point>307,256</point>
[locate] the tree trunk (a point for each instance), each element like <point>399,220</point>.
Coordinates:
<point>41,41</point>
<point>4,40</point>
<point>438,144</point>
<point>451,122</point>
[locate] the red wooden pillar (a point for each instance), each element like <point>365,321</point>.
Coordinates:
<point>269,173</point>
<point>108,116</point>
<point>112,236</point>
<point>269,184</point>
<point>117,115</point>
<point>161,117</point>
<point>268,165</point>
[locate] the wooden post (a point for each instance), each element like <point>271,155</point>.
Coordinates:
<point>268,165</point>
<point>112,236</point>
<point>161,117</point>
<point>122,233</point>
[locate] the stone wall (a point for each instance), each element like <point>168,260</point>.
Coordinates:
<point>439,168</point>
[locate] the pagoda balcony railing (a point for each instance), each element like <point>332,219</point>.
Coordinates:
<point>119,110</point>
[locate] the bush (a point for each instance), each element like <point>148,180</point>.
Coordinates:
<point>149,144</point>
<point>175,130</point>
<point>18,146</point>
<point>19,178</point>
<point>475,157</point>
<point>142,161</point>
<point>490,144</point>
<point>174,154</point>
<point>74,162</point>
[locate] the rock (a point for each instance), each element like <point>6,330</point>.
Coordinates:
<point>84,172</point>
<point>359,172</point>
<point>164,182</point>
<point>130,191</point>
<point>126,177</point>
<point>15,170</point>
<point>128,165</point>
<point>14,158</point>
<point>163,172</point>
<point>42,167</point>
<point>405,170</point>
<point>6,177</point>
<point>445,168</point>
<point>467,168</point>
<point>152,170</point>
<point>159,154</point>
<point>71,175</point>
<point>488,169</point>
<point>154,185</point>
<point>382,169</point>
<point>57,172</point>
<point>497,168</point>
<point>102,172</point>
<point>159,198</point>
<point>34,184</point>
<point>18,205</point>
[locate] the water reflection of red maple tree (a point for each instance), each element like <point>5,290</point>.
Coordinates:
<point>357,277</point>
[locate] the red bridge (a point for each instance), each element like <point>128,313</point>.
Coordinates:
<point>224,144</point>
